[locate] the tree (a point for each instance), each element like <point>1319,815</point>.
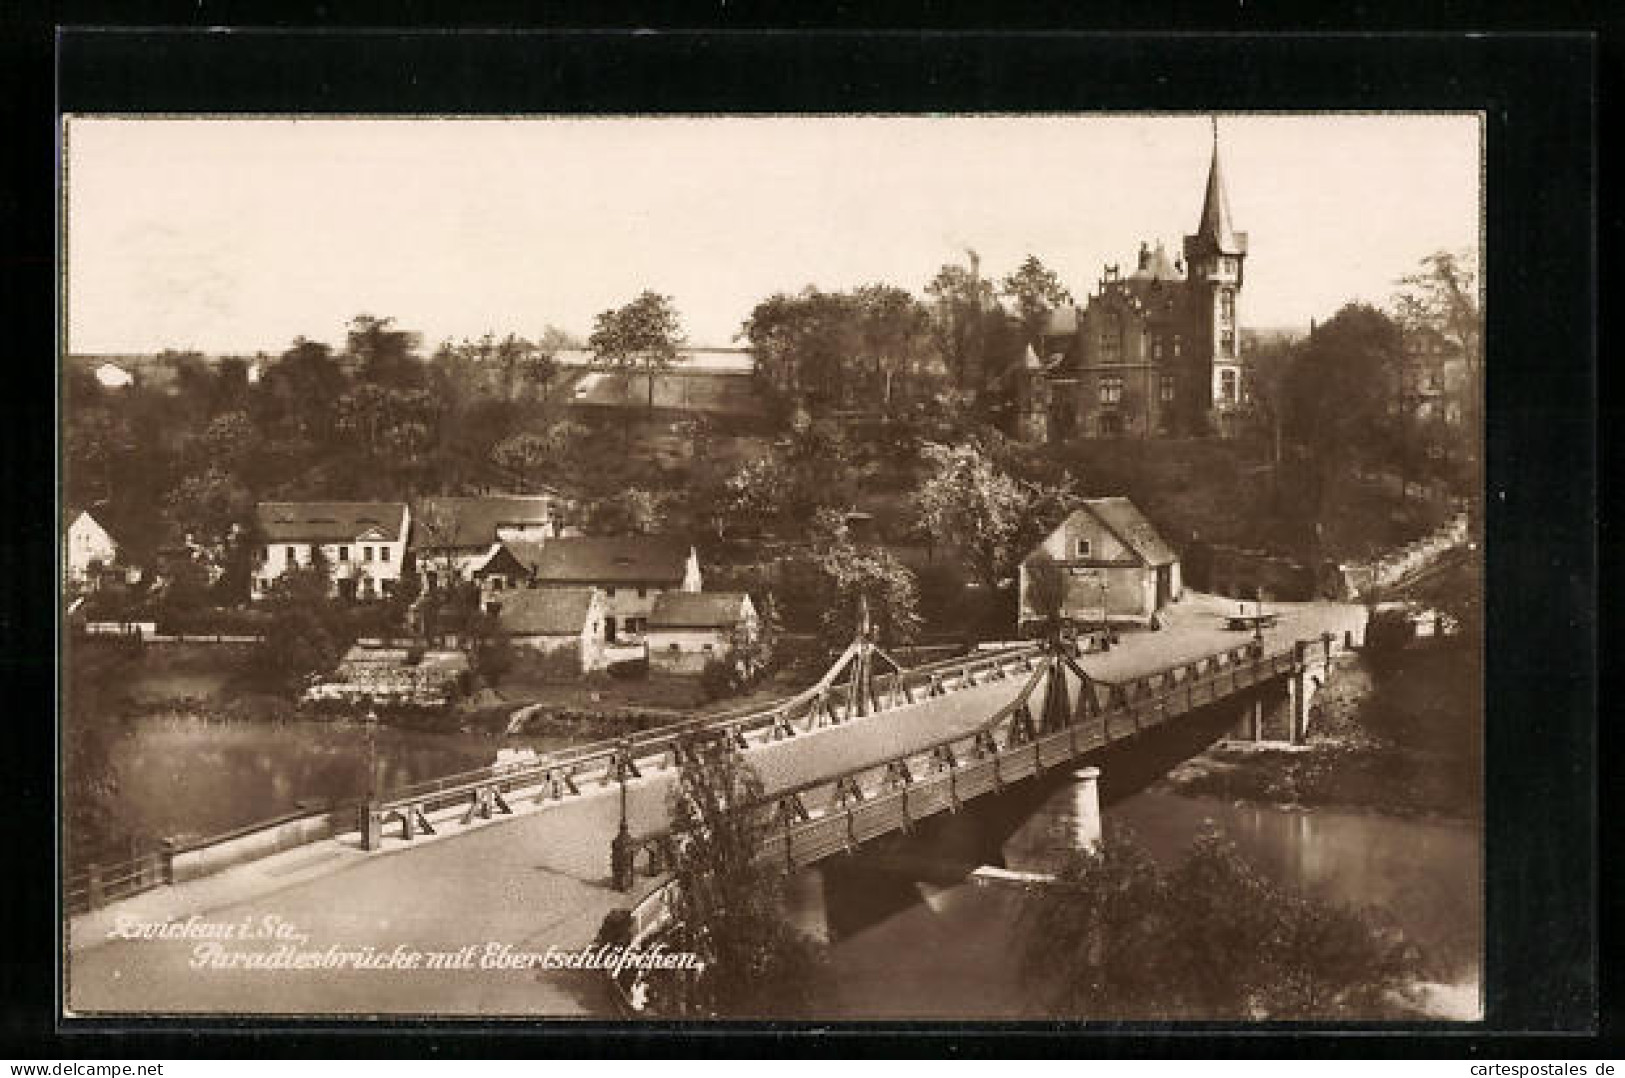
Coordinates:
<point>632,511</point>
<point>1441,300</point>
<point>752,496</point>
<point>729,905</point>
<point>300,390</point>
<point>962,302</point>
<point>1046,594</point>
<point>851,576</point>
<point>524,454</point>
<point>1036,291</point>
<point>304,632</point>
<point>207,505</point>
<point>1269,366</point>
<point>95,440</point>
<point>1339,396</point>
<point>1119,937</point>
<point>384,355</point>
<point>644,333</point>
<point>990,514</point>
<point>93,820</point>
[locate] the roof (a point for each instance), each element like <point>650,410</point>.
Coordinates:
<point>698,610</point>
<point>1154,265</point>
<point>1063,322</point>
<point>71,513</point>
<point>327,522</point>
<point>1215,223</point>
<point>545,611</point>
<point>473,522</point>
<point>1124,519</point>
<point>594,559</point>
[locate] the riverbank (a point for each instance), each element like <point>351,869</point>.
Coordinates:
<point>1400,735</point>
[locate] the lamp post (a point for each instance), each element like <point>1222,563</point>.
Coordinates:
<point>1105,618</point>
<point>620,847</point>
<point>371,826</point>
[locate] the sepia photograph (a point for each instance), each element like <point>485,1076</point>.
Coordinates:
<point>837,568</point>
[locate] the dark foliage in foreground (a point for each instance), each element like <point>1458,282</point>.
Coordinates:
<point>1121,937</point>
<point>730,904</point>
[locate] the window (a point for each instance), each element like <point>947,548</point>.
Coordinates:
<point>674,646</point>
<point>366,553</point>
<point>1227,308</point>
<point>710,647</point>
<point>1176,346</point>
<point>383,553</point>
<point>643,593</point>
<point>1111,390</point>
<point>1081,548</point>
<point>1111,340</point>
<point>1227,342</point>
<point>265,553</point>
<point>610,592</point>
<point>293,555</point>
<point>1165,388</point>
<point>344,553</point>
<point>1156,347</point>
<point>1227,385</point>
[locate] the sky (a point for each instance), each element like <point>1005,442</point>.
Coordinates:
<point>238,235</point>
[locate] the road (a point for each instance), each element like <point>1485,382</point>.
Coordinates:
<point>530,881</point>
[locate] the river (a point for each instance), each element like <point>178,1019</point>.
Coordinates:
<point>186,776</point>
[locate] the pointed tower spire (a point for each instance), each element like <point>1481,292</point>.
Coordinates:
<point>1215,224</point>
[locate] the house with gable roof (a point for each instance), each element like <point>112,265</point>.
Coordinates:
<point>460,539</point>
<point>363,544</point>
<point>632,572</point>
<point>89,551</point>
<point>548,621</point>
<point>1114,566</point>
<point>688,630</point>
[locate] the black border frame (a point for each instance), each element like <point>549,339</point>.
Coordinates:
<point>1539,95</point>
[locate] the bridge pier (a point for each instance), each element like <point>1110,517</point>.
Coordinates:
<point>1297,707</point>
<point>1088,830</point>
<point>372,826</point>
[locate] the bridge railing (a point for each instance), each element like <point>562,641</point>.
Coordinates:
<point>818,818</point>
<point>565,770</point>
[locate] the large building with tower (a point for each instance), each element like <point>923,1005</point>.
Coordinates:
<point>1152,352</point>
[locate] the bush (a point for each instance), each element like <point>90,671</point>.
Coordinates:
<point>629,669</point>
<point>563,664</point>
<point>1120,937</point>
<point>616,929</point>
<point>718,679</point>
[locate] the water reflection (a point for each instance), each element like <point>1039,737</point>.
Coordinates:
<point>908,949</point>
<point>183,776</point>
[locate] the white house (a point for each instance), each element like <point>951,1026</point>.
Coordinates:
<point>632,572</point>
<point>1112,564</point>
<point>547,621</point>
<point>455,538</point>
<point>363,543</point>
<point>87,549</point>
<point>688,630</point>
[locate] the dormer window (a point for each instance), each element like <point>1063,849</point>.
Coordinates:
<point>1081,548</point>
